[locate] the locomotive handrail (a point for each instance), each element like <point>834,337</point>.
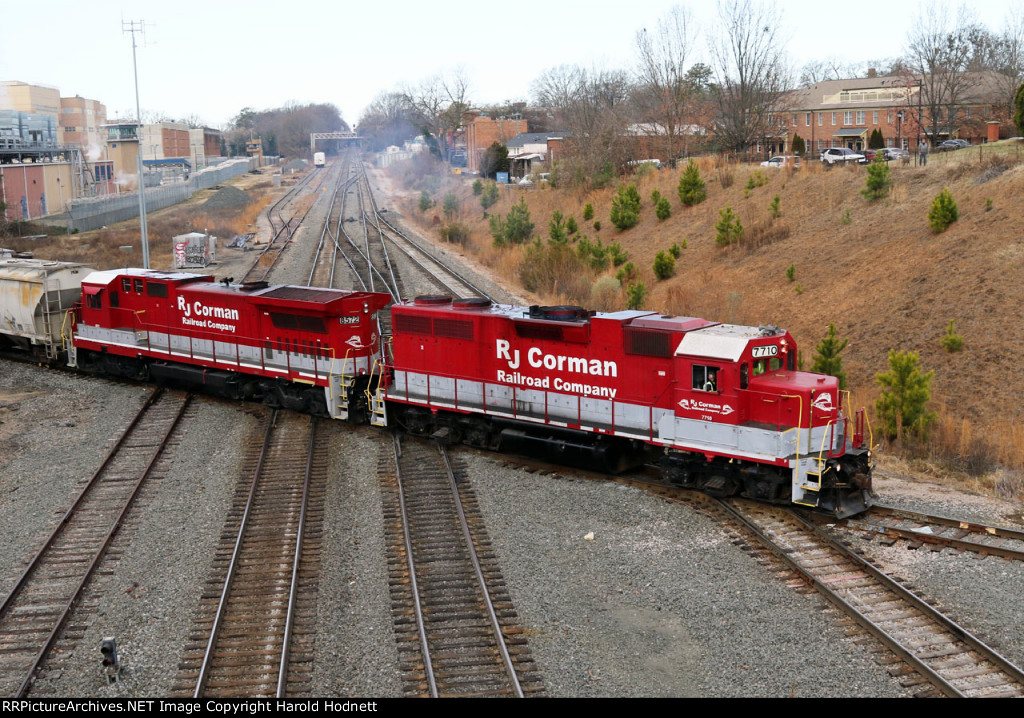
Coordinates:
<point>799,424</point>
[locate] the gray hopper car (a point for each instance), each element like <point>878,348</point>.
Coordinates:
<point>35,298</point>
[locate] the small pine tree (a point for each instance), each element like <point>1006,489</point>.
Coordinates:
<point>626,207</point>
<point>556,229</point>
<point>655,197</point>
<point>774,208</point>
<point>451,205</point>
<point>588,212</point>
<point>799,146</point>
<point>675,250</point>
<point>791,272</point>
<point>691,187</point>
<point>876,141</point>
<point>905,393</point>
<point>635,295</point>
<point>729,229</point>
<point>663,210</point>
<point>626,273</point>
<point>951,341</point>
<point>478,188</point>
<point>425,201</point>
<point>664,265</point>
<point>571,227</point>
<point>943,212</point>
<point>489,196</point>
<point>827,359</point>
<point>878,179</point>
<point>518,227</point>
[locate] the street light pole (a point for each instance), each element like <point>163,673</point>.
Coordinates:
<point>133,27</point>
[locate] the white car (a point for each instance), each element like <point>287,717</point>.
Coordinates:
<point>841,155</point>
<point>780,161</point>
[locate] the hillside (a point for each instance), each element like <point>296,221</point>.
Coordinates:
<point>879,272</point>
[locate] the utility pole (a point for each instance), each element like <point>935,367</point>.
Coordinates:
<point>133,27</point>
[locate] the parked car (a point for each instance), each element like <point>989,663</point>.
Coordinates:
<point>949,145</point>
<point>780,161</point>
<point>841,155</point>
<point>894,153</point>
<point>869,154</point>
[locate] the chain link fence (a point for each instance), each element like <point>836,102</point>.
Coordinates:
<point>94,212</point>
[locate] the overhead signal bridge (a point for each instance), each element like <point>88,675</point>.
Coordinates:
<point>314,136</point>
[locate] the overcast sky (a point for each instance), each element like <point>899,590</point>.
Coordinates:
<point>210,59</point>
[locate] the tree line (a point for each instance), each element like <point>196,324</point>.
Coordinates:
<point>682,96</point>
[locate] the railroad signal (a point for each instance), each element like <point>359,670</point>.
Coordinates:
<point>111,665</point>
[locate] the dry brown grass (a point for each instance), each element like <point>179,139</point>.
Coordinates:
<point>119,245</point>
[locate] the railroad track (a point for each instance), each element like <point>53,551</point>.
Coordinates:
<point>942,653</point>
<point>35,613</point>
<point>255,636</point>
<point>939,532</point>
<point>446,278</point>
<point>283,227</point>
<point>453,618</point>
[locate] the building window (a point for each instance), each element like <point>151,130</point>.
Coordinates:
<point>889,117</point>
<point>807,119</point>
<point>968,110</point>
<point>848,117</point>
<point>861,116</point>
<point>874,117</point>
<point>794,120</point>
<point>833,119</point>
<point>821,119</point>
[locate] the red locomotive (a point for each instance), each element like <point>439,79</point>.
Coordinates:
<point>720,407</point>
<point>303,348</point>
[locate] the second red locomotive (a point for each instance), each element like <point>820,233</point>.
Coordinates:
<point>721,407</point>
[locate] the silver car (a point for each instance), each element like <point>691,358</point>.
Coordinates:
<point>840,155</point>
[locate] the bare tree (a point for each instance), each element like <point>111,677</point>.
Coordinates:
<point>665,92</point>
<point>828,69</point>
<point>438,105</point>
<point>387,121</point>
<point>750,72</point>
<point>939,53</point>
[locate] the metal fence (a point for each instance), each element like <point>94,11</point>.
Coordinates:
<point>94,212</point>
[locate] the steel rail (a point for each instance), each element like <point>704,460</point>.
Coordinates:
<point>282,675</point>
<point>431,257</point>
<point>222,602</point>
<point>957,631</point>
<point>863,523</point>
<point>495,624</point>
<point>102,550</point>
<point>411,563</point>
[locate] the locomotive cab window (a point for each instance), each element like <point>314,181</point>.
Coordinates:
<point>126,284</point>
<point>94,301</point>
<point>763,365</point>
<point>138,286</point>
<point>705,378</point>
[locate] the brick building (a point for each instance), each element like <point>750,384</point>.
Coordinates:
<point>844,113</point>
<point>482,131</point>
